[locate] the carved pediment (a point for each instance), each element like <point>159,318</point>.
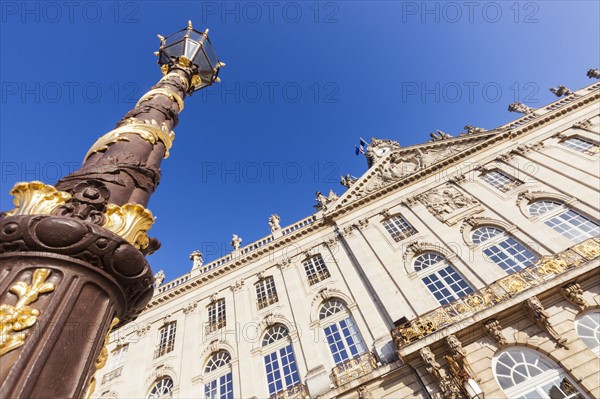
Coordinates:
<point>401,163</point>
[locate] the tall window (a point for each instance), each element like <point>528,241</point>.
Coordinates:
<point>503,249</point>
<point>398,228</point>
<point>316,270</point>
<point>340,330</point>
<point>440,277</point>
<point>219,376</point>
<point>216,316</point>
<point>588,329</point>
<point>266,294</point>
<point>527,374</point>
<point>166,342</point>
<point>280,363</point>
<point>501,180</point>
<point>162,389</point>
<point>581,145</point>
<point>567,222</point>
<point>115,363</point>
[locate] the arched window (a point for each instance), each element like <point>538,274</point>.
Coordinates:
<point>162,389</point>
<point>503,249</point>
<point>440,277</point>
<point>525,373</point>
<point>219,376</point>
<point>567,222</point>
<point>280,363</point>
<point>340,330</point>
<point>588,329</point>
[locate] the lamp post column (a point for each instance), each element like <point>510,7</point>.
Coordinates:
<point>72,257</point>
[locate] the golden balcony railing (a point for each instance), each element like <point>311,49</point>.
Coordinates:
<point>214,326</point>
<point>111,375</point>
<point>297,391</point>
<point>318,276</point>
<point>353,368</point>
<point>263,303</point>
<point>163,349</point>
<point>543,270</point>
<point>401,235</point>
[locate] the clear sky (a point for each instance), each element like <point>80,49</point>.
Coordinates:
<point>304,80</point>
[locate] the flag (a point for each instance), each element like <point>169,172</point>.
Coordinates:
<point>361,149</point>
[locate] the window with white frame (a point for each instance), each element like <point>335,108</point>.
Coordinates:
<point>266,293</point>
<point>398,228</point>
<point>567,222</point>
<point>588,329</point>
<point>316,269</point>
<point>526,374</point>
<point>440,277</point>
<point>280,363</point>
<point>340,330</point>
<point>502,249</point>
<point>500,180</point>
<point>216,316</point>
<point>166,340</point>
<point>114,366</point>
<point>581,145</point>
<point>219,376</point>
<point>162,389</point>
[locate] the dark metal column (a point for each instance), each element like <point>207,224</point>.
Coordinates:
<point>72,257</point>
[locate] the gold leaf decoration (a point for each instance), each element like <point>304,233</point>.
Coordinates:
<point>15,319</point>
<point>130,221</point>
<point>36,198</point>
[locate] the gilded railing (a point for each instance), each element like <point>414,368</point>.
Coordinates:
<point>353,368</point>
<point>297,391</point>
<point>545,269</point>
<point>263,303</point>
<point>163,350</point>
<point>214,326</point>
<point>316,277</point>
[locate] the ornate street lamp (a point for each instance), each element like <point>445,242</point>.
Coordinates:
<point>189,46</point>
<point>73,256</point>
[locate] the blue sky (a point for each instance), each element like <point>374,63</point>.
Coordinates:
<point>304,80</point>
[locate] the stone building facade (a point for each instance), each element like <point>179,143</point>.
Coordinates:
<point>460,266</point>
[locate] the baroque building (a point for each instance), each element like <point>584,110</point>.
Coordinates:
<point>461,267</point>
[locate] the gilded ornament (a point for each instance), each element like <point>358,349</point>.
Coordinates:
<point>101,361</point>
<point>514,284</point>
<point>15,319</point>
<point>36,198</point>
<point>196,80</point>
<point>552,265</point>
<point>501,290</point>
<point>130,221</point>
<point>171,95</point>
<point>164,69</point>
<point>590,249</point>
<point>148,130</point>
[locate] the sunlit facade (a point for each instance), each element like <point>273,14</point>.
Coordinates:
<point>460,267</point>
